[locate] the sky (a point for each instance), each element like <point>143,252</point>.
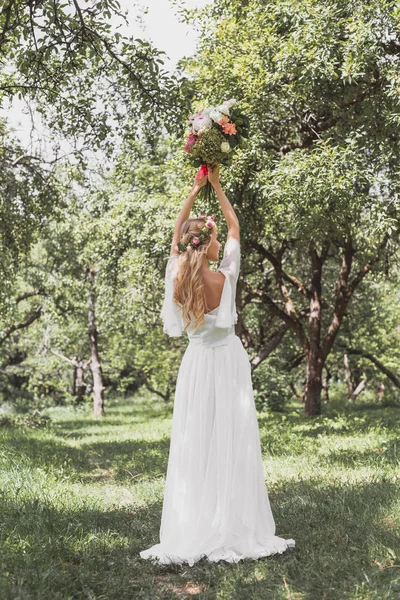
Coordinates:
<point>162,26</point>
<point>155,20</point>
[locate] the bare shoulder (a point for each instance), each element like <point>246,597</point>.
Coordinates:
<point>213,277</point>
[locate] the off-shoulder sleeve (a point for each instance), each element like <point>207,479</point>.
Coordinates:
<point>170,312</point>
<point>230,267</point>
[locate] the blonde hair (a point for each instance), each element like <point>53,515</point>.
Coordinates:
<point>189,282</point>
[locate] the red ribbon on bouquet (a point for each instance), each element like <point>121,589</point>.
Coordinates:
<point>202,172</point>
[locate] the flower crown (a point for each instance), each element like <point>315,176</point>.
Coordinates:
<point>197,240</point>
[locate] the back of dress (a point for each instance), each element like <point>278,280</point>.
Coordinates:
<point>220,322</point>
<point>215,500</point>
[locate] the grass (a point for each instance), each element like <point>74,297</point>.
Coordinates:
<point>80,499</point>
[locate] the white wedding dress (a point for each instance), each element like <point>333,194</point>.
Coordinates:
<point>215,502</point>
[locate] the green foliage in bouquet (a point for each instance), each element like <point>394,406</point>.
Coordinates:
<point>207,149</point>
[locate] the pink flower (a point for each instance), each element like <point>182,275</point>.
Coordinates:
<point>202,215</point>
<point>190,142</point>
<point>196,240</point>
<point>209,224</point>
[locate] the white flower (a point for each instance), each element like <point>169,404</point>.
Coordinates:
<point>230,103</point>
<point>201,123</point>
<point>224,109</point>
<point>215,115</point>
<point>225,147</point>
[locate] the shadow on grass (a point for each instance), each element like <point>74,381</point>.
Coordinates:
<point>384,454</point>
<point>79,428</point>
<point>278,431</point>
<point>129,460</point>
<point>122,460</point>
<point>50,553</point>
<point>346,535</point>
<point>345,543</point>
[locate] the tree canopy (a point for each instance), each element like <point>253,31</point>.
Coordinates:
<point>316,190</point>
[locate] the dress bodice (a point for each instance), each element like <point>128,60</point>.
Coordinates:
<point>219,322</point>
<point>208,334</point>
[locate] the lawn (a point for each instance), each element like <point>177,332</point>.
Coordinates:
<point>80,499</point>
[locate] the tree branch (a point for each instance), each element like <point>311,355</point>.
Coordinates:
<point>165,396</point>
<point>72,361</point>
<point>113,54</point>
<point>345,290</point>
<point>320,126</point>
<point>342,298</point>
<point>294,324</point>
<point>389,374</point>
<point>276,263</point>
<point>366,268</point>
<point>38,292</point>
<point>272,343</point>
<point>28,321</point>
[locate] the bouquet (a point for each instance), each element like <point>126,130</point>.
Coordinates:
<point>214,133</point>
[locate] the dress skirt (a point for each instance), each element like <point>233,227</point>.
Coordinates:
<point>215,502</point>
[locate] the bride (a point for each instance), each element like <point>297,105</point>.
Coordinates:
<point>216,504</point>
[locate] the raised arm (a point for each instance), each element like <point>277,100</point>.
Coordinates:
<point>184,213</point>
<point>230,216</point>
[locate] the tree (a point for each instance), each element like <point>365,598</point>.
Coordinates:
<point>92,86</point>
<point>28,194</point>
<point>96,269</point>
<point>317,188</point>
<point>369,338</point>
<point>87,80</point>
<point>95,361</point>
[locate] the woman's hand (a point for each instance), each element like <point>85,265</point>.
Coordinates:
<point>200,179</point>
<point>213,175</point>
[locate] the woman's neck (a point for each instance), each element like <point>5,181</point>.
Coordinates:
<point>205,263</point>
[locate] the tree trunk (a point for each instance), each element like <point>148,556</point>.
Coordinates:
<point>312,396</point>
<point>78,382</point>
<point>315,350</point>
<point>269,346</point>
<point>314,365</point>
<point>95,363</point>
<point>325,385</point>
<point>299,396</point>
<point>347,376</point>
<point>360,387</point>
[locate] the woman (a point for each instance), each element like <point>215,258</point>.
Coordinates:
<point>215,501</point>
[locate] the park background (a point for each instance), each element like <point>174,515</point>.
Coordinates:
<point>93,174</point>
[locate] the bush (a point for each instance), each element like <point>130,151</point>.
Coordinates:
<point>271,389</point>
<point>35,420</point>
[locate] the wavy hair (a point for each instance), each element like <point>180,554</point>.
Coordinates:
<point>189,282</point>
